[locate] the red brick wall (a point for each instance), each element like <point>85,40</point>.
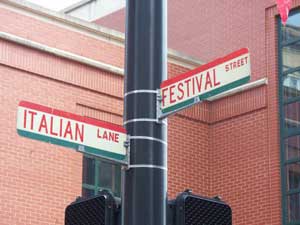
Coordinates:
<point>188,136</point>
<point>38,179</point>
<point>187,156</point>
<point>219,27</point>
<point>228,147</point>
<point>60,37</point>
<point>244,151</point>
<point>239,166</point>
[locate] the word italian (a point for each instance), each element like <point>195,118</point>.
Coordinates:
<point>48,124</point>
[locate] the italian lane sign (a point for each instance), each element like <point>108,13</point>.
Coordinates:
<point>205,81</point>
<point>84,134</point>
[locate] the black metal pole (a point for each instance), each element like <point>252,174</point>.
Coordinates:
<point>145,183</point>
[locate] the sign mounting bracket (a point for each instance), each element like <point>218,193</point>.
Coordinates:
<point>159,113</point>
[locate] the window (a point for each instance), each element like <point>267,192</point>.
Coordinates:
<point>98,175</point>
<point>289,98</point>
<point>91,10</point>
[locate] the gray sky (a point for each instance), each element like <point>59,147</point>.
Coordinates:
<point>54,4</point>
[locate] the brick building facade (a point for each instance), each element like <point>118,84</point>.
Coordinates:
<point>228,146</point>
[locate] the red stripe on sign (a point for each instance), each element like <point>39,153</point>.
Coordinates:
<point>35,106</point>
<point>72,116</point>
<point>204,67</point>
<point>68,115</point>
<point>104,124</point>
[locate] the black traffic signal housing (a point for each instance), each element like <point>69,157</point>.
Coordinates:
<point>99,210</point>
<point>190,209</point>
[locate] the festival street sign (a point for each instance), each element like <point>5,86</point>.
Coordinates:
<point>205,81</point>
<point>83,134</point>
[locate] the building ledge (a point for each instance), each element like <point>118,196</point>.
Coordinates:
<point>89,29</point>
<point>242,88</point>
<point>61,53</point>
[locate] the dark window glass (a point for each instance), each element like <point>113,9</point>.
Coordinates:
<point>292,115</point>
<point>289,70</point>
<point>291,31</point>
<point>117,180</point>
<point>291,56</point>
<point>293,176</point>
<point>294,207</point>
<point>105,175</point>
<point>291,85</point>
<point>99,175</point>
<point>87,192</point>
<point>292,147</point>
<point>88,174</point>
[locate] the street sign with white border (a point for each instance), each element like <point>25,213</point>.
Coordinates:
<point>84,134</point>
<point>205,81</point>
